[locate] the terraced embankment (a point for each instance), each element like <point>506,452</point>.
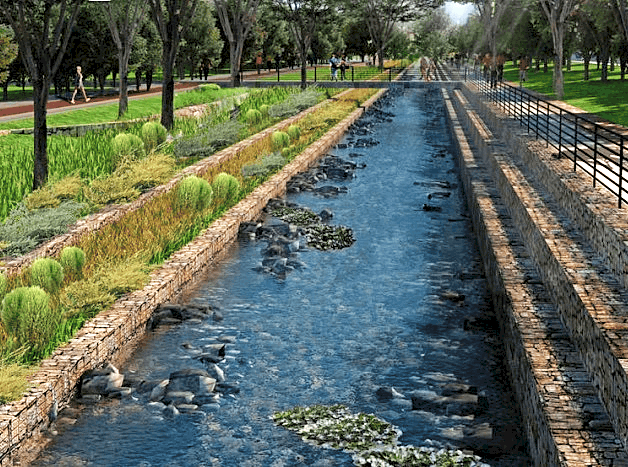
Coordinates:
<point>554,254</point>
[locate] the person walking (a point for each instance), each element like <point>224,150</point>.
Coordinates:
<point>343,67</point>
<point>333,63</point>
<point>78,84</point>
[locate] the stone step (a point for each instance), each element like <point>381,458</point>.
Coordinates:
<point>566,421</point>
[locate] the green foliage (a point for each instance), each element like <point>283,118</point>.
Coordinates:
<point>149,172</point>
<point>280,139</point>
<point>226,188</point>
<point>268,164</point>
<point>27,317</point>
<point>23,230</point>
<point>295,103</point>
<point>264,108</point>
<point>253,116</point>
<point>51,195</point>
<point>209,140</point>
<point>47,273</point>
<point>3,285</point>
<point>371,440</point>
<point>72,259</point>
<point>210,87</point>
<point>194,193</point>
<point>13,382</point>
<point>114,189</point>
<point>153,134</point>
<point>127,145</point>
<point>294,131</point>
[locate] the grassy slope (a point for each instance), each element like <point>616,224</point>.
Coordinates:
<point>607,100</point>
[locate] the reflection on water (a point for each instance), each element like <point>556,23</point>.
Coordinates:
<point>389,312</point>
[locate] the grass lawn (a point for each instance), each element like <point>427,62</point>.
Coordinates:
<point>608,100</point>
<point>138,108</point>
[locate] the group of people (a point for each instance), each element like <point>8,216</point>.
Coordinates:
<point>336,64</point>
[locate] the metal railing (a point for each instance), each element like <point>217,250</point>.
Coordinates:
<point>594,148</point>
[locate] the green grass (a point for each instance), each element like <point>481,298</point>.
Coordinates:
<point>323,73</point>
<point>138,108</point>
<point>605,99</point>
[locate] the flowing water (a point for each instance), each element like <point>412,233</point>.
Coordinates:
<point>388,312</point>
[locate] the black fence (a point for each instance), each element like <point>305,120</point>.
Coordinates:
<point>595,148</point>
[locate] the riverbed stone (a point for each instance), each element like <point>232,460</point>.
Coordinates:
<point>178,397</point>
<point>193,380</point>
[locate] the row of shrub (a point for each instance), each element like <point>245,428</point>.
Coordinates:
<point>119,167</point>
<point>120,256</point>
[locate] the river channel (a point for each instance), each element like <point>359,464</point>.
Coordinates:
<point>390,325</point>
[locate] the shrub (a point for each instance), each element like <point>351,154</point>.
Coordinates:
<point>280,139</point>
<point>52,195</point>
<point>264,109</point>
<point>268,164</point>
<point>294,132</point>
<point>194,193</point>
<point>226,187</point>
<point>295,103</point>
<point>72,259</point>
<point>153,134</point>
<point>23,230</point>
<point>253,116</point>
<point>212,139</point>
<point>27,317</point>
<point>126,145</point>
<point>47,273</point>
<point>210,87</point>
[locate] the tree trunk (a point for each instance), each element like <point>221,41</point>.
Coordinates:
<point>167,94</point>
<point>123,70</point>
<point>586,68</point>
<point>40,132</point>
<point>235,54</point>
<point>149,79</point>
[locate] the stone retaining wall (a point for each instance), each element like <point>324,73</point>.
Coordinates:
<point>593,313</point>
<point>109,336</point>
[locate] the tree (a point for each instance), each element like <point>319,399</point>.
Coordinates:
<point>124,18</point>
<point>42,29</point>
<point>8,52</point>
<point>357,39</point>
<point>382,15</point>
<point>303,17</point>
<point>236,18</point>
<point>432,34</point>
<point>171,22</point>
<point>557,13</point>
<point>491,13</point>
<point>201,42</point>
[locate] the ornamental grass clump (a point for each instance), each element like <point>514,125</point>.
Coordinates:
<point>253,116</point>
<point>27,317</point>
<point>3,285</point>
<point>226,188</point>
<point>194,193</point>
<point>268,164</point>
<point>153,134</point>
<point>127,146</point>
<point>72,259</point>
<point>294,132</point>
<point>280,140</point>
<point>47,273</point>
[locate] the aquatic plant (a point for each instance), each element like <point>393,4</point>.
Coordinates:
<point>373,441</point>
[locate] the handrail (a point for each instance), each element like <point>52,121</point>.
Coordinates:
<point>594,148</point>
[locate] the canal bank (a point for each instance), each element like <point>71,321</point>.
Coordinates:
<point>398,325</point>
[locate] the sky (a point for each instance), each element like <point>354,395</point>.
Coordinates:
<point>458,12</point>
